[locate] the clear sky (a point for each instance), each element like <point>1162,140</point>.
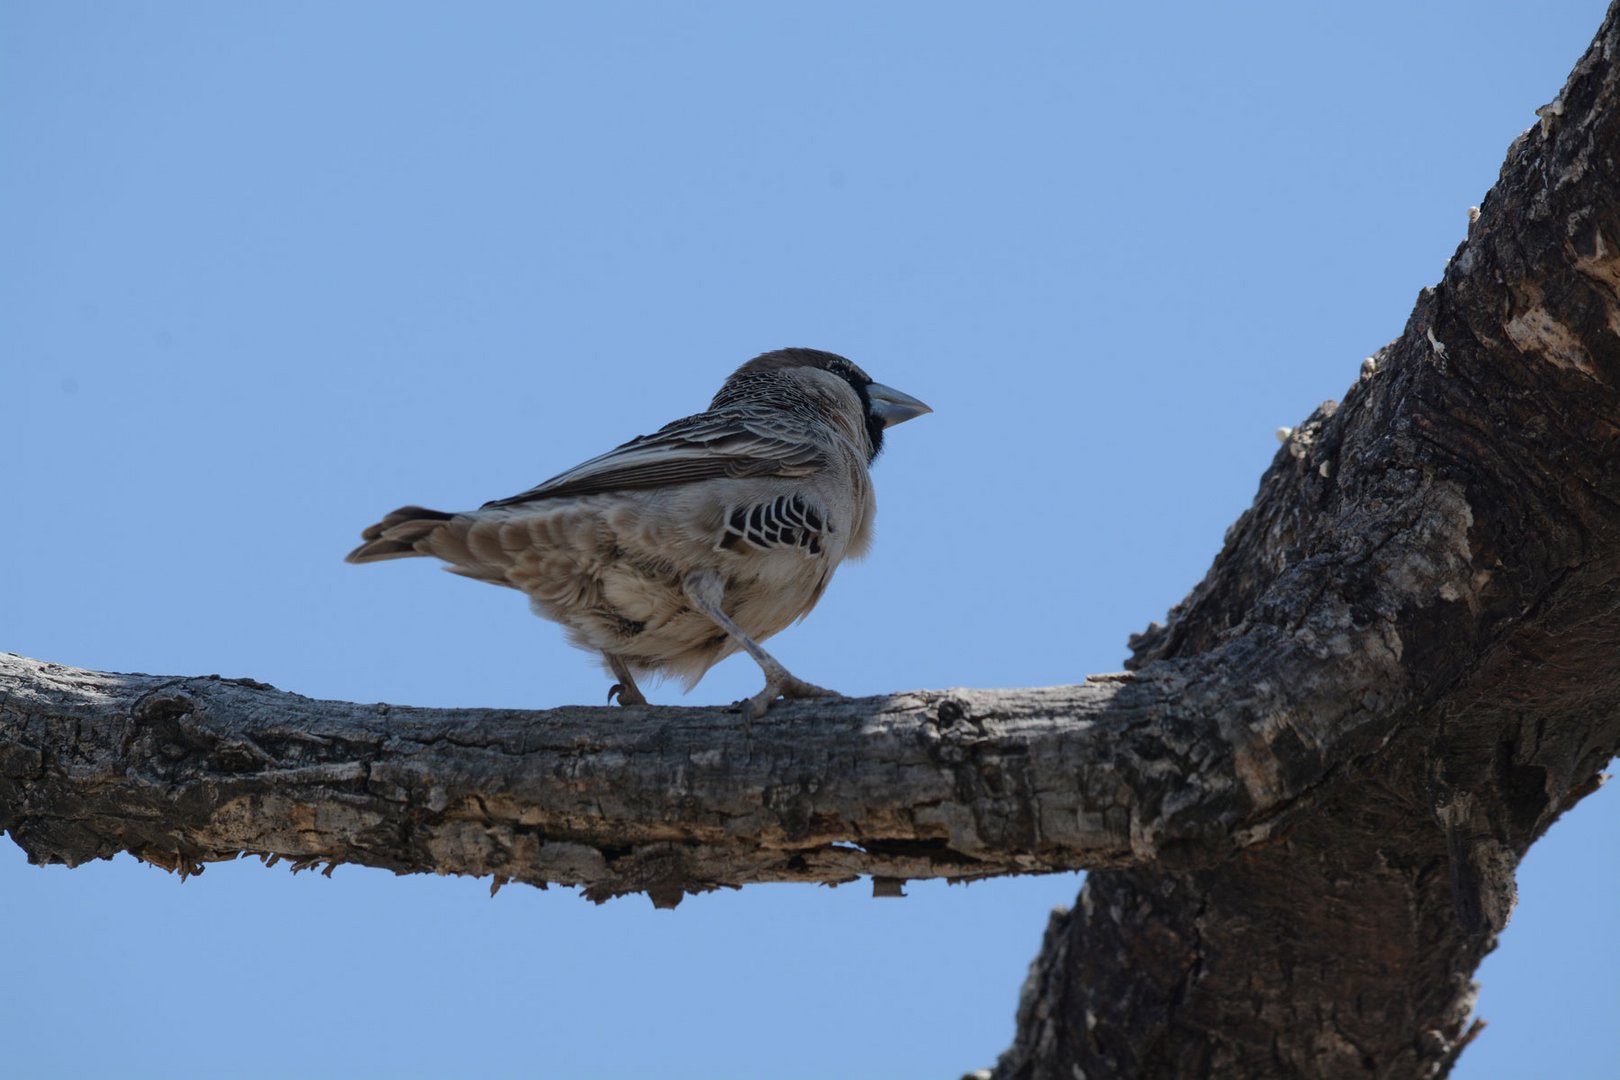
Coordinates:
<point>272,270</point>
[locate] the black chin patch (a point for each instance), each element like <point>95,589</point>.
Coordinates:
<point>874,423</point>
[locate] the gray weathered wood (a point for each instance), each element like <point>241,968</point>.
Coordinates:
<point>958,784</point>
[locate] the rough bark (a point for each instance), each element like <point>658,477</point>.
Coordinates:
<point>1304,805</point>
<point>1343,943</point>
<point>1124,769</point>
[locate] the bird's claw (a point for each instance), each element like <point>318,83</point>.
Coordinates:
<point>626,695</point>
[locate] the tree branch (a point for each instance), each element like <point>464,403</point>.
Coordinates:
<point>961,784</point>
<point>1344,945</point>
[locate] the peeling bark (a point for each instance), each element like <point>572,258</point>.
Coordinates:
<point>1304,805</point>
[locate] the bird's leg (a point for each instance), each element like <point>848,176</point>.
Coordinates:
<point>704,589</point>
<point>625,689</point>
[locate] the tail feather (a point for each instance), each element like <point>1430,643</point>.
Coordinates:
<point>397,536</point>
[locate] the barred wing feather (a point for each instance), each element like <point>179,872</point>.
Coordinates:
<point>684,452</point>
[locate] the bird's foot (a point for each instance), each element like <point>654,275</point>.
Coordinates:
<point>624,687</point>
<point>626,694</point>
<point>782,685</point>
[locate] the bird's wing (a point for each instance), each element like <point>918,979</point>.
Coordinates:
<point>701,447</point>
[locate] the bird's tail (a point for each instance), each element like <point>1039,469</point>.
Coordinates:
<point>399,535</point>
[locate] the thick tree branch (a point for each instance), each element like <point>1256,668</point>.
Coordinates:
<point>1344,945</point>
<point>959,784</point>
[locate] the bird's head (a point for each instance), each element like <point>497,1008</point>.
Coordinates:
<point>824,380</point>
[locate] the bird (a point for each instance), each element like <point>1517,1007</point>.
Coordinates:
<point>676,549</point>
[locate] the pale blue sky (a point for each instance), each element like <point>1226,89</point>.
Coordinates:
<point>271,270</point>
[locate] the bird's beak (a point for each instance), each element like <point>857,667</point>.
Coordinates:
<point>893,407</point>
